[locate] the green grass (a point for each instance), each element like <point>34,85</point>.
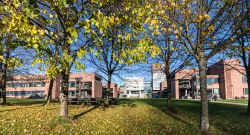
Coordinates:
<point>131,116</point>
<point>241,101</point>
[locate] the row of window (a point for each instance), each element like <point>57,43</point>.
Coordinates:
<point>135,92</point>
<point>30,84</point>
<point>36,84</point>
<point>210,81</point>
<point>25,93</point>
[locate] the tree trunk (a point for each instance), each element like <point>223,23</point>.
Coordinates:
<point>168,79</point>
<point>4,77</point>
<point>109,87</point>
<point>64,93</point>
<point>1,75</point>
<point>49,95</point>
<point>248,84</point>
<point>169,105</point>
<point>204,122</point>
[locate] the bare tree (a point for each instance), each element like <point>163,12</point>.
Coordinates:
<point>240,48</point>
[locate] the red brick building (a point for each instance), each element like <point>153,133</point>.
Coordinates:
<point>232,81</point>
<point>224,78</point>
<point>114,90</point>
<point>80,85</point>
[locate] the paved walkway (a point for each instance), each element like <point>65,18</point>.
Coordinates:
<point>220,102</point>
<point>229,103</point>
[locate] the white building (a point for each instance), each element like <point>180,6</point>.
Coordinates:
<point>158,76</point>
<point>134,87</point>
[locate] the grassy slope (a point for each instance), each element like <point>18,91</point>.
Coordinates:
<point>130,117</point>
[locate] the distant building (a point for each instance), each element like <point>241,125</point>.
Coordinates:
<point>113,93</point>
<point>134,87</point>
<point>85,85</point>
<point>148,89</point>
<point>225,79</point>
<point>120,91</point>
<point>158,76</point>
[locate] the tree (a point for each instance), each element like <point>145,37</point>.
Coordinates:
<point>62,22</point>
<point>114,31</point>
<point>241,47</point>
<point>172,56</point>
<point>14,30</point>
<point>204,29</point>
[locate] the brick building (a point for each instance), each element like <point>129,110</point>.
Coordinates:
<point>232,81</point>
<point>80,85</point>
<point>114,90</point>
<point>225,78</point>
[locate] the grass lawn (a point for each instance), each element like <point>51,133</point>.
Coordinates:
<point>241,101</point>
<point>131,116</point>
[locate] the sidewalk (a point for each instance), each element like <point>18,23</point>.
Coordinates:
<point>218,101</point>
<point>231,103</point>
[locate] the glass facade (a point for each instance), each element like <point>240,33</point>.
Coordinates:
<point>25,93</point>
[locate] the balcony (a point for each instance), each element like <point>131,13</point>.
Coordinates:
<point>87,86</point>
<point>184,85</point>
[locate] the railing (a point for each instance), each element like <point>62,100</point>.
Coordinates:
<point>86,87</point>
<point>187,86</point>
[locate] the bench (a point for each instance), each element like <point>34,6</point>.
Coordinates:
<point>74,101</point>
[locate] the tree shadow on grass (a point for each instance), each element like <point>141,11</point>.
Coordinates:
<point>26,102</point>
<point>161,104</point>
<point>19,108</point>
<point>83,113</point>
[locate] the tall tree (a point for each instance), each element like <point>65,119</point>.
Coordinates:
<point>172,55</point>
<point>204,28</point>
<point>114,31</point>
<point>62,23</point>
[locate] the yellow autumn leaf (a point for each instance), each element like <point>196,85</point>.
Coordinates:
<point>33,31</point>
<point>35,46</point>
<point>1,57</point>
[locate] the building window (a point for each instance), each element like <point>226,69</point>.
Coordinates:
<point>72,84</point>
<point>211,81</point>
<point>245,91</point>
<point>244,79</point>
<point>43,84</point>
<point>39,84</point>
<point>135,92</point>
<point>216,91</point>
<point>127,92</point>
